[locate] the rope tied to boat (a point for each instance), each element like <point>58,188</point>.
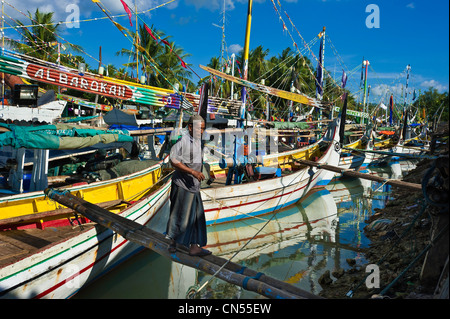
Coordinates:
<point>385,181</point>
<point>194,291</point>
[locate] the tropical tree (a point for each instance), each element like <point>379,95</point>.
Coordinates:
<point>282,71</point>
<point>159,62</point>
<point>434,104</point>
<point>41,40</point>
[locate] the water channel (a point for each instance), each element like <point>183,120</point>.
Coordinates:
<point>296,245</point>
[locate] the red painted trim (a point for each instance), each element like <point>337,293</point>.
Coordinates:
<point>39,225</point>
<point>263,200</point>
<point>258,201</point>
<point>46,292</point>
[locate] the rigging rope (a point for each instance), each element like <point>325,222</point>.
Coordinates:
<point>87,20</point>
<point>196,291</point>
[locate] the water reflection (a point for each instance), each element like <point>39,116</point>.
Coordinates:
<point>297,245</point>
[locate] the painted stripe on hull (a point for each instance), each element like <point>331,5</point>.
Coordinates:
<point>104,249</point>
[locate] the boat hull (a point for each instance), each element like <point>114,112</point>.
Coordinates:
<point>240,201</point>
<point>44,113</point>
<point>126,188</point>
<point>60,270</point>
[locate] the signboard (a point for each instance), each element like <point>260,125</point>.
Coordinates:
<point>353,112</point>
<point>77,82</point>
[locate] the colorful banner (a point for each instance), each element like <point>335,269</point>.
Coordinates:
<point>296,97</point>
<point>45,72</point>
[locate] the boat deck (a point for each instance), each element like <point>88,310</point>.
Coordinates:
<point>17,244</point>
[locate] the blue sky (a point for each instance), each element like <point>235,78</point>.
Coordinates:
<point>414,32</point>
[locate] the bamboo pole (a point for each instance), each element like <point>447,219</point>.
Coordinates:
<point>148,238</point>
<point>352,173</point>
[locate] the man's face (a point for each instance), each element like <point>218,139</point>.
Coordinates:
<point>196,129</point>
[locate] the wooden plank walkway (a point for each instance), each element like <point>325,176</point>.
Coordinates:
<point>214,265</point>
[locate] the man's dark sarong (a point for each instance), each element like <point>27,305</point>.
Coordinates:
<point>187,224</point>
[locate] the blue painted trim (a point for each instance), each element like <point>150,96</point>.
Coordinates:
<point>252,214</point>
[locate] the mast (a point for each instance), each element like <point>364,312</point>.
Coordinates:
<point>408,67</point>
<point>3,47</point>
<point>222,49</point>
<point>245,69</point>
<point>319,76</point>
<point>292,89</point>
<point>137,42</point>
<point>366,66</point>
<point>405,109</point>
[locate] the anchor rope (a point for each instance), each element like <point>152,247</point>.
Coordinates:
<point>245,245</point>
<point>229,260</point>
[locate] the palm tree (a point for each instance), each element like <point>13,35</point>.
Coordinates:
<point>41,40</point>
<point>161,63</point>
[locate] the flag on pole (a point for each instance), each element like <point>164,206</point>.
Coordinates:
<point>319,79</point>
<point>391,109</point>
<point>127,9</point>
<point>344,79</point>
<point>183,64</point>
<point>203,103</point>
<point>150,32</point>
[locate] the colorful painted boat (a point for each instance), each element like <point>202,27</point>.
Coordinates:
<point>47,251</point>
<point>57,259</point>
<point>225,203</point>
<point>411,146</point>
<point>353,159</point>
<point>34,69</point>
<point>47,113</point>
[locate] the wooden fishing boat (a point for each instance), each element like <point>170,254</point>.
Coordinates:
<point>46,113</point>
<point>374,158</point>
<point>286,228</point>
<point>411,146</point>
<point>65,252</point>
<point>225,203</point>
<point>48,251</point>
<point>351,158</point>
<point>23,103</point>
<point>34,69</point>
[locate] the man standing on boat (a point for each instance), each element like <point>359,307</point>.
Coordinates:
<point>187,223</point>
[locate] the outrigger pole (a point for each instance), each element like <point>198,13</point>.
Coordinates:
<point>140,234</point>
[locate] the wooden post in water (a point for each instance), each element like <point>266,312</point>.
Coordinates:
<point>352,173</point>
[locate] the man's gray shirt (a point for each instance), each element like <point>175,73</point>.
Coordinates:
<point>189,152</point>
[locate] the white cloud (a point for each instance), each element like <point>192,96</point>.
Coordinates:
<point>383,89</point>
<point>410,5</point>
<point>435,84</point>
<point>235,48</point>
<point>19,8</point>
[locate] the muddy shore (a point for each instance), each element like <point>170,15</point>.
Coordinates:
<point>401,235</point>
